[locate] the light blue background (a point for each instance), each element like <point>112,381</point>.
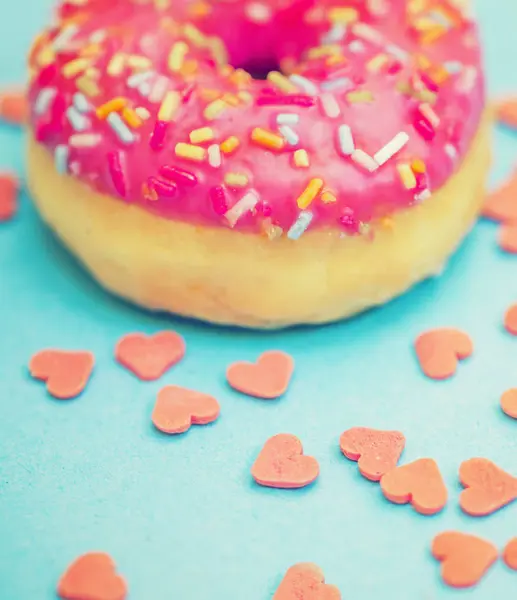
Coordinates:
<point>181,514</point>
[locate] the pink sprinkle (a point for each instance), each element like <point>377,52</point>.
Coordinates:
<point>218,198</point>
<point>424,128</point>
<point>46,75</point>
<point>348,221</point>
<point>187,93</point>
<point>116,172</point>
<point>178,175</point>
<point>158,135</point>
<point>428,82</point>
<point>292,100</point>
<point>395,67</point>
<point>264,208</point>
<point>164,188</point>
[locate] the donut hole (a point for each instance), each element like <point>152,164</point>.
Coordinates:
<point>260,69</point>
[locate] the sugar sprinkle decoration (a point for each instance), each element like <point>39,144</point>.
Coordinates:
<point>300,226</point>
<point>244,205</point>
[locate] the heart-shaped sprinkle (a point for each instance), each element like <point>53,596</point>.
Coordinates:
<point>439,350</point>
<point>509,403</point>
<point>419,483</point>
<point>500,204</point>
<point>13,107</point>
<point>510,320</point>
<point>510,554</point>
<point>375,451</point>
<point>305,581</point>
<point>92,577</point>
<point>282,464</point>
<point>488,488</point>
<point>465,558</point>
<point>178,408</point>
<point>8,196</point>
<point>65,372</point>
<point>506,112</point>
<point>149,357</point>
<point>268,378</point>
<point>508,237</point>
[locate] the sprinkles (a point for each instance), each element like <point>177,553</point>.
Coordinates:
<point>244,205</point>
<point>300,226</point>
<point>124,134</point>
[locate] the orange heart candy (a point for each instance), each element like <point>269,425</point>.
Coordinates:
<point>8,196</point>
<point>439,350</point>
<point>92,577</point>
<point>268,378</point>
<point>510,320</point>
<point>149,357</point>
<point>178,408</point>
<point>282,464</point>
<point>14,107</point>
<point>305,581</point>
<point>506,112</point>
<point>508,237</point>
<point>375,451</point>
<point>500,204</point>
<point>509,403</point>
<point>465,558</point>
<point>419,483</point>
<point>510,554</point>
<point>65,372</point>
<point>488,488</point>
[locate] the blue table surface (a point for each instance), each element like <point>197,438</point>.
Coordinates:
<point>181,515</point>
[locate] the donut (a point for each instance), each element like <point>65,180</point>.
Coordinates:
<point>259,163</point>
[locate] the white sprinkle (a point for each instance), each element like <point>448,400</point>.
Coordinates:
<point>244,205</point>
<point>439,18</point>
<point>81,103</point>
<point>299,227</point>
<point>78,121</point>
<point>453,66</point>
<point>361,158</point>
<point>423,195</point>
<point>257,12</point>
<point>44,100</point>
<point>367,33</point>
<point>84,140</point>
<point>214,156</point>
<point>356,46</point>
<point>123,132</point>
<point>287,119</point>
<point>397,52</point>
<point>428,112</point>
<point>289,134</point>
<point>329,105</point>
<point>467,79</point>
<point>391,148</point>
<point>144,89</point>
<point>61,158</point>
<point>138,78</point>
<point>142,112</point>
<point>304,84</point>
<point>98,36</point>
<point>451,152</point>
<point>335,34</point>
<point>64,37</point>
<point>340,83</point>
<point>160,88</point>
<point>346,140</point>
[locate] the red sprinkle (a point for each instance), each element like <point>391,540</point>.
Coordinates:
<point>178,175</point>
<point>116,172</point>
<point>158,135</point>
<point>218,198</point>
<point>428,82</point>
<point>424,128</point>
<point>46,75</point>
<point>297,100</point>
<point>164,188</point>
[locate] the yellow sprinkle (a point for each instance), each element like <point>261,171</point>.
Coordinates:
<point>218,49</point>
<point>208,95</point>
<point>115,105</point>
<point>142,112</point>
<point>281,82</point>
<point>203,134</point>
<point>376,63</point>
<point>92,72</point>
<point>309,193</point>
<point>169,106</point>
<point>87,86</point>
<point>139,62</point>
<point>301,159</point>
<point>322,51</point>
<point>240,78</point>
<point>132,118</point>
<point>433,34</point>
<point>343,15</point>
<point>418,165</point>
<point>230,99</point>
<point>91,50</point>
<point>189,67</point>
<point>199,9</point>
<point>190,152</point>
<point>335,59</point>
<point>177,56</point>
<point>438,74</point>
<point>359,96</point>
<point>245,97</point>
<point>328,197</point>
<point>236,179</point>
<point>46,56</point>
<point>230,144</point>
<point>74,67</point>
<point>214,109</point>
<point>422,62</point>
<point>116,64</point>
<point>268,139</point>
<point>407,176</point>
<point>192,33</point>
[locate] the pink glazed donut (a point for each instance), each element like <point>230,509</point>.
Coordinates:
<point>259,163</point>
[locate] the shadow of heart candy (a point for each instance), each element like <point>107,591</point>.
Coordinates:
<point>149,357</point>
<point>439,350</point>
<point>305,581</point>
<point>178,408</point>
<point>488,488</point>
<point>92,577</point>
<point>282,464</point>
<point>500,204</point>
<point>65,372</point>
<point>375,451</point>
<point>465,558</point>
<point>268,378</point>
<point>419,483</point>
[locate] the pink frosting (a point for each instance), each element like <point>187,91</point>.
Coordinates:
<point>383,107</point>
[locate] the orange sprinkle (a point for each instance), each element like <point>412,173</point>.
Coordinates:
<point>230,144</point>
<point>267,139</point>
<point>328,197</point>
<point>115,105</point>
<point>418,166</point>
<point>131,118</point>
<point>201,135</point>
<point>301,159</point>
<point>199,9</point>
<point>309,193</point>
<point>13,107</point>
